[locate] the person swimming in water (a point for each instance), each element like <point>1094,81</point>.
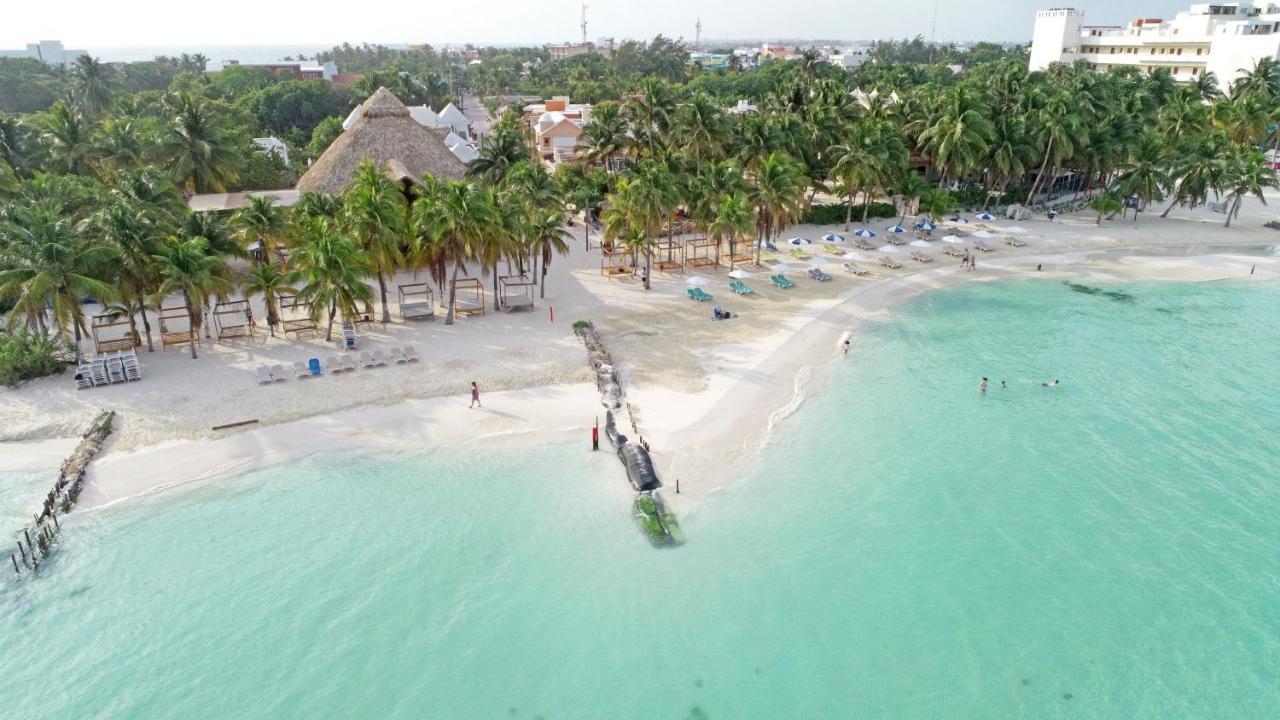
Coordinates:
<point>982,386</point>
<point>1051,384</point>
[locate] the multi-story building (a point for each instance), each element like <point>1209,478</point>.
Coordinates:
<point>303,70</point>
<point>556,126</point>
<point>49,52</point>
<point>1225,39</point>
<point>568,50</point>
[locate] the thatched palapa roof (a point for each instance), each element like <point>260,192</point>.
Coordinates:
<point>386,134</point>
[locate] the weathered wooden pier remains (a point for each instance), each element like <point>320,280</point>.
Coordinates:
<point>43,531</point>
<point>650,512</point>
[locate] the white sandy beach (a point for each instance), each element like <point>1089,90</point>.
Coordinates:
<point>679,367</point>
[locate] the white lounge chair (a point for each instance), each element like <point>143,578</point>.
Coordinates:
<point>410,353</point>
<point>397,356</point>
<point>300,371</point>
<point>264,375</point>
<point>277,373</point>
<point>366,360</point>
<point>379,358</point>
<point>891,264</point>
<point>331,365</point>
<point>347,362</point>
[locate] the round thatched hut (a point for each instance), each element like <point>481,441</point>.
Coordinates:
<point>386,134</point>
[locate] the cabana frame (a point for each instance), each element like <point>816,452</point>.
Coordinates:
<point>232,319</point>
<point>702,252</point>
<point>295,315</point>
<point>615,261</point>
<point>515,292</point>
<point>417,302</point>
<point>664,256</point>
<point>170,336</point>
<point>103,345</point>
<point>474,303</point>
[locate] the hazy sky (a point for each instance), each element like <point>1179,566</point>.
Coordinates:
<point>164,23</point>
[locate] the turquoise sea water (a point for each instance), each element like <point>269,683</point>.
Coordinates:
<point>904,548</point>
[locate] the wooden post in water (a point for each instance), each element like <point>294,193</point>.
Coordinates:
<point>24,554</point>
<point>33,547</point>
<point>14,558</point>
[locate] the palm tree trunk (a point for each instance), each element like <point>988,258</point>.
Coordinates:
<point>146,324</point>
<point>382,288</point>
<point>866,205</point>
<point>328,331</point>
<point>1165,214</point>
<point>497,306</point>
<point>1235,207</point>
<point>1040,175</point>
<point>192,336</point>
<point>848,211</point>
<point>453,294</point>
<point>76,327</point>
<point>542,284</point>
<point>273,315</point>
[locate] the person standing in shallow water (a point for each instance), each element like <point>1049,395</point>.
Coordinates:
<point>475,395</point>
<point>982,386</point>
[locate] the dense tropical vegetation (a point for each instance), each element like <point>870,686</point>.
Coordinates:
<point>93,173</point>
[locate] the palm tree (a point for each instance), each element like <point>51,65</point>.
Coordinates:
<point>1261,81</point>
<point>734,219</point>
<point>265,280</point>
<point>1249,174</point>
<point>1106,203</point>
<point>201,156</point>
<point>910,186</point>
<point>503,148</point>
<point>135,236</point>
<point>1199,170</point>
<point>261,222</point>
<point>92,85</point>
<point>186,265</point>
<point>777,193</point>
<point>67,138</point>
<point>548,237</point>
<point>332,270</point>
<point>375,215</point>
<point>1058,125</point>
<point>958,137</point>
<point>650,114</point>
<point>314,205</point>
<point>938,202</point>
<point>644,201</point>
<point>1145,175</point>
<point>605,134</point>
<point>453,219</point>
<point>1009,155</point>
<point>702,128</point>
<point>47,261</point>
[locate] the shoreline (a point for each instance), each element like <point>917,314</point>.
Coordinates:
<point>703,438</point>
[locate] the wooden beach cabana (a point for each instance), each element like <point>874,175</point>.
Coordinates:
<point>702,252</point>
<point>175,328</point>
<point>232,319</point>
<point>101,328</point>
<point>668,256</point>
<point>295,315</point>
<point>417,302</point>
<point>616,260</point>
<point>468,296</point>
<point>515,292</point>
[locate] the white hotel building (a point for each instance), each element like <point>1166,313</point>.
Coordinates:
<point>1221,39</point>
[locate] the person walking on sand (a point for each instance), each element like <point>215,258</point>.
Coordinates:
<point>475,395</point>
<point>982,386</point>
<point>964,261</point>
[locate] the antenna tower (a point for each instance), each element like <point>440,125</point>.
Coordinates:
<point>584,23</point>
<point>697,33</point>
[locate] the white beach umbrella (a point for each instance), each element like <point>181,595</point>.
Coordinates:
<point>787,267</point>
<point>739,274</point>
<point>863,232</point>
<point>800,241</point>
<point>1016,230</point>
<point>895,229</point>
<point>982,234</point>
<point>819,260</point>
<point>697,281</point>
<point>832,238</point>
<point>984,216</point>
<point>887,249</point>
<point>926,226</point>
<point>953,240</point>
<point>919,243</point>
<point>854,256</point>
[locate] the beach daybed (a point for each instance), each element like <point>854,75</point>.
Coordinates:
<point>953,251</point>
<point>983,247</point>
<point>921,257</point>
<point>863,244</point>
<point>854,269</point>
<point>890,263</point>
<point>896,240</point>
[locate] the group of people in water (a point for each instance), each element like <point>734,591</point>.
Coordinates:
<point>982,384</point>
